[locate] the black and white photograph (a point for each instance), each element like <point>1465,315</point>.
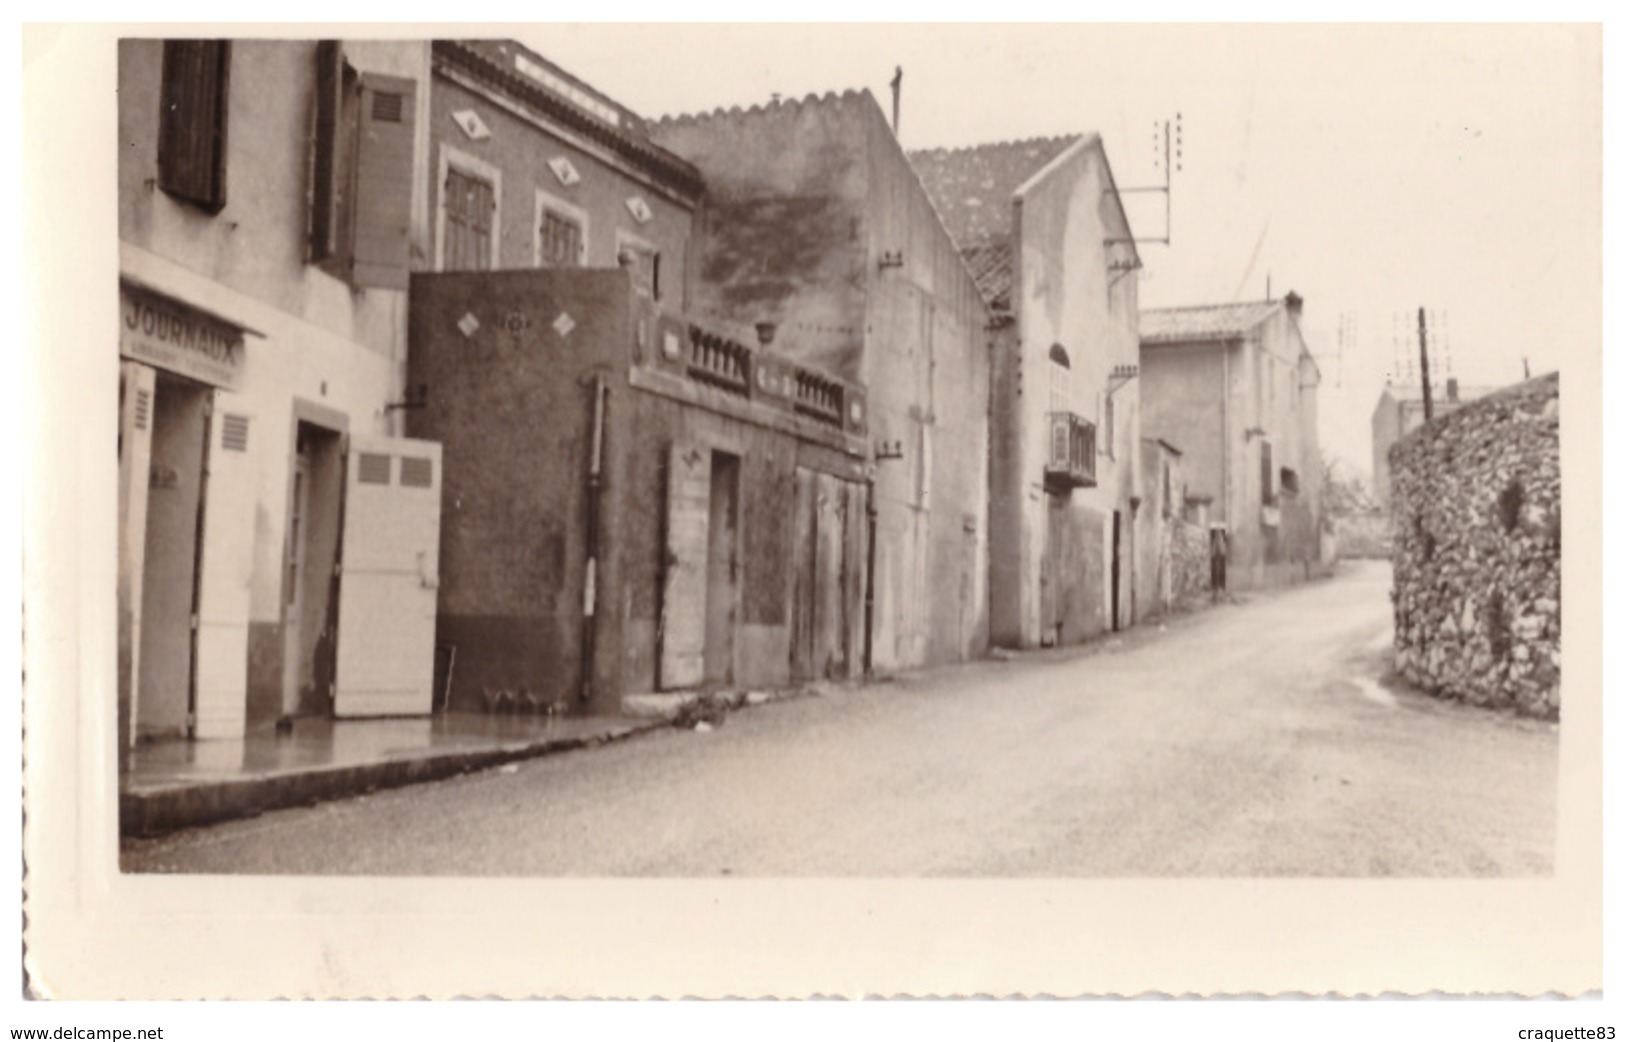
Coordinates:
<point>1057,485</point>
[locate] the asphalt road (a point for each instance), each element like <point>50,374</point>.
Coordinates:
<point>1247,740</point>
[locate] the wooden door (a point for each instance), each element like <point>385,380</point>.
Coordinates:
<point>388,577</point>
<point>1051,569</point>
<point>682,603</point>
<point>803,572</point>
<point>722,570</point>
<point>830,632</point>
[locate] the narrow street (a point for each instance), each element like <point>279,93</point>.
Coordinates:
<point>1248,740</point>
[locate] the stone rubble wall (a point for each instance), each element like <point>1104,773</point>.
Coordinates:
<point>1477,525</point>
<point>1192,572</point>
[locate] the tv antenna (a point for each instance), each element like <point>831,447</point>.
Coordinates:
<point>1168,155</point>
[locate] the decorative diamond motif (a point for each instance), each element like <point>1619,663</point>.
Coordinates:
<point>564,170</point>
<point>470,123</point>
<point>639,209</point>
<point>564,323</point>
<point>468,323</point>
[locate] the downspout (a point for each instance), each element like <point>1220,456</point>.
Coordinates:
<point>589,593</point>
<point>873,513</point>
<point>1224,423</point>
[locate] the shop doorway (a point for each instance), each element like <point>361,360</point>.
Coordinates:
<point>309,622</point>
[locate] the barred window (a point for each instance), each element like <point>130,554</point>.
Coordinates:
<point>470,204</point>
<point>560,238</point>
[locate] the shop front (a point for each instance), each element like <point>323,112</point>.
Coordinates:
<point>185,517</point>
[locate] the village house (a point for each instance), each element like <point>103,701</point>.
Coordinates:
<point>817,232</point>
<point>1042,226</point>
<point>638,499</point>
<point>1234,386</point>
<point>1399,411</point>
<point>277,536</point>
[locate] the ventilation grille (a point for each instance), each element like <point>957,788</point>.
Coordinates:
<point>417,471</point>
<point>386,107</point>
<point>373,469</point>
<point>234,433</point>
<point>143,408</point>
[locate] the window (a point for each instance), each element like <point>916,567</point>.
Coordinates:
<point>1266,474</point>
<point>361,173</point>
<point>1289,481</point>
<point>192,122</point>
<point>643,261</point>
<point>561,233</point>
<point>1060,379</point>
<point>1108,426</point>
<point>470,207</point>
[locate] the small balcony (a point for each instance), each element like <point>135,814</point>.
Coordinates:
<point>1071,459</point>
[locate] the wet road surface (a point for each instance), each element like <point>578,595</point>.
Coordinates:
<point>1253,739</point>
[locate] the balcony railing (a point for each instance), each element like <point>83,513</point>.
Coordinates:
<point>1071,460</point>
<point>718,361</point>
<point>819,397</point>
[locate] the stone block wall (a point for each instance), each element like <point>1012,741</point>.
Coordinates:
<point>1477,524</point>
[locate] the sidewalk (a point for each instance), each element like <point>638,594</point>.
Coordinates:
<point>176,784</point>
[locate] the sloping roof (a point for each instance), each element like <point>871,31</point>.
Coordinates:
<point>992,266</point>
<point>499,64</point>
<point>972,187</point>
<point>1203,321</point>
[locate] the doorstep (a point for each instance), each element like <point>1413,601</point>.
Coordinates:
<point>176,784</point>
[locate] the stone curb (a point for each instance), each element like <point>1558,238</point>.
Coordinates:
<point>159,810</point>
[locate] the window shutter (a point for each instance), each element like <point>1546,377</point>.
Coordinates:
<point>192,121</point>
<point>383,204</point>
<point>326,244</point>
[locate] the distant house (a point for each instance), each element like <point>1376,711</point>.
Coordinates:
<point>818,235</point>
<point>1399,411</point>
<point>1041,225</point>
<point>1235,387</point>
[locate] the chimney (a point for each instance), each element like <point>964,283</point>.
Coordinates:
<point>1294,304</point>
<point>1450,389</point>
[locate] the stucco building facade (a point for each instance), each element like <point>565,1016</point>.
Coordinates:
<point>816,228</point>
<point>637,501</point>
<point>1234,387</point>
<point>270,199</point>
<point>1043,228</point>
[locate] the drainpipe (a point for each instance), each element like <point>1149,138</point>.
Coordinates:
<point>589,593</point>
<point>869,578</point>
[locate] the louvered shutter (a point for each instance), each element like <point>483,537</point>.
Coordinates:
<point>383,204</point>
<point>227,565</point>
<point>326,242</point>
<point>192,121</point>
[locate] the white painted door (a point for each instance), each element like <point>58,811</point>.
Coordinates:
<point>389,577</point>
<point>225,564</point>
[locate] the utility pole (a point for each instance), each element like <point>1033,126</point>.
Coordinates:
<point>897,103</point>
<point>1427,389</point>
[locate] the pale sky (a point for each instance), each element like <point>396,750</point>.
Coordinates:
<point>1371,169</point>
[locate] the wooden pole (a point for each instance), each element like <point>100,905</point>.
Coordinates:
<point>1427,388</point>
